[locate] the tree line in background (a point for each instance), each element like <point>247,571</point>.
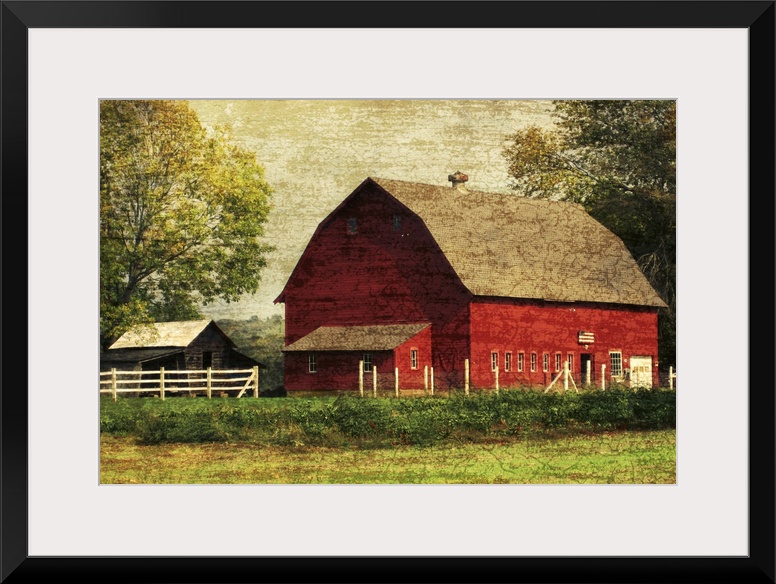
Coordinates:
<point>617,159</point>
<point>263,340</point>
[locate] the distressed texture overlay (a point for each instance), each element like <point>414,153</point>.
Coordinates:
<point>490,251</point>
<point>505,282</point>
<point>505,233</point>
<point>315,152</point>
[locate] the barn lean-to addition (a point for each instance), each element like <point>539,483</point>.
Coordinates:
<point>179,345</point>
<point>407,275</point>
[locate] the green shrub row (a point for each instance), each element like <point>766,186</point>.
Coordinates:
<point>379,422</point>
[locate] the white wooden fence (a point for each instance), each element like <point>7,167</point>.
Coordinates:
<point>206,381</point>
<point>426,372</point>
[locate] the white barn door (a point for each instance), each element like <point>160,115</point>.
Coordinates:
<point>641,372</point>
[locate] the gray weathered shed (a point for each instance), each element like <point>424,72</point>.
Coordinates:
<point>181,345</point>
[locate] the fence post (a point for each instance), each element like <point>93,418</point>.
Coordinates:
<point>425,378</point>
<point>432,380</point>
<point>603,377</point>
<point>113,382</point>
<point>209,383</point>
<point>396,375</point>
<point>374,380</point>
<point>574,383</point>
<point>587,373</point>
<point>496,378</point>
<point>361,378</point>
<point>256,376</point>
<point>549,387</point>
<point>671,377</point>
<point>161,382</point>
<point>565,376</point>
<point>466,376</point>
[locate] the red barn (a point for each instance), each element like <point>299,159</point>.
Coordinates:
<point>406,275</point>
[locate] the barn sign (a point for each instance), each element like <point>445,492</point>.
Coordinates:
<point>586,338</point>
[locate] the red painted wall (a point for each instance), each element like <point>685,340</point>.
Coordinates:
<point>526,326</point>
<point>413,378</point>
<point>335,371</point>
<point>378,275</point>
<point>339,370</point>
<point>383,275</point>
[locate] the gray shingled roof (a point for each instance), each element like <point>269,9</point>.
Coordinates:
<point>513,246</point>
<point>357,338</point>
<point>162,334</point>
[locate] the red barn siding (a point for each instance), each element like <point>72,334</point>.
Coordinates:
<point>413,378</point>
<point>378,275</point>
<point>338,370</point>
<point>526,326</point>
<point>384,275</point>
<point>335,370</point>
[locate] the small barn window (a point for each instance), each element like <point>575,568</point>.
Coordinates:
<point>396,222</point>
<point>571,361</point>
<point>207,359</point>
<point>546,362</point>
<point>520,361</point>
<point>312,363</point>
<point>413,358</point>
<point>493,361</point>
<point>507,361</point>
<point>615,360</point>
<point>352,225</point>
<point>367,362</point>
<point>557,361</point>
<point>533,361</point>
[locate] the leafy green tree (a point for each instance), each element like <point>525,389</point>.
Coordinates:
<point>182,214</point>
<point>618,159</point>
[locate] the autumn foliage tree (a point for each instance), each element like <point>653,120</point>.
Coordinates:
<point>617,158</point>
<point>182,214</point>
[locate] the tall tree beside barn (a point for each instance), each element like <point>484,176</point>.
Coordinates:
<point>617,158</point>
<point>182,215</point>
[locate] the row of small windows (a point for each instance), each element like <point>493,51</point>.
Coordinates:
<point>508,364</point>
<point>353,224</point>
<point>312,361</point>
<point>615,362</point>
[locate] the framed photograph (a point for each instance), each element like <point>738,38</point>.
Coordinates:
<point>714,60</point>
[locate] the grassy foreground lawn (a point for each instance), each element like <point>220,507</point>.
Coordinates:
<point>634,457</point>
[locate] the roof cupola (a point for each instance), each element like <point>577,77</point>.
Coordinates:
<point>458,179</point>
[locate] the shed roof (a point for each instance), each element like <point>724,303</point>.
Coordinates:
<point>164,334</point>
<point>512,246</point>
<point>136,355</point>
<point>357,338</point>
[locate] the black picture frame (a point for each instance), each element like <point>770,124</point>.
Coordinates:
<point>19,16</point>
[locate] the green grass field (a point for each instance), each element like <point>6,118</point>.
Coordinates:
<point>620,457</point>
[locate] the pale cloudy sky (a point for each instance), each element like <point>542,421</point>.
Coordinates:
<point>315,152</point>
